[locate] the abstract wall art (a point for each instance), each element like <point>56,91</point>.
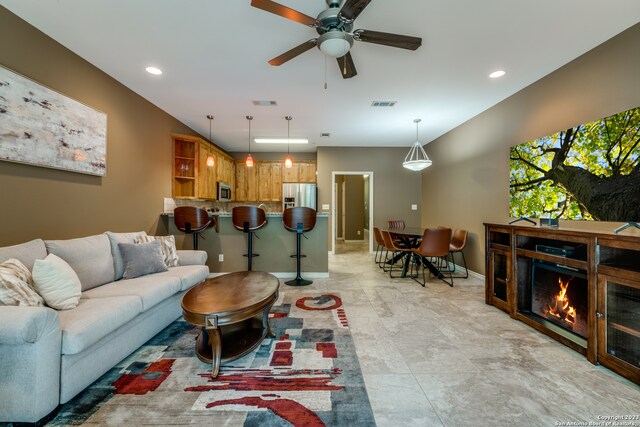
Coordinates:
<point>39,126</point>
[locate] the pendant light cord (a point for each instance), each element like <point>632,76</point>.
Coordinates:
<point>288,123</point>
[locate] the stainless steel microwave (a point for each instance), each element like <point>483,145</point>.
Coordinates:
<point>224,192</point>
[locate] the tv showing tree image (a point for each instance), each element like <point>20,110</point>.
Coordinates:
<point>588,172</point>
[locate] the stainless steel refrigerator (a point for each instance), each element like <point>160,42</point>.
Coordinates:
<point>299,195</point>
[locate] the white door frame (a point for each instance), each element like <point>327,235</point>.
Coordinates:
<point>334,210</point>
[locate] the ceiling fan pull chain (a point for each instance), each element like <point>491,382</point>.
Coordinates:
<point>325,72</point>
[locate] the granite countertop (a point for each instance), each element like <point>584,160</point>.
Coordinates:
<point>228,214</point>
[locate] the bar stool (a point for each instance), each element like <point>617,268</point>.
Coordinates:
<point>248,219</point>
<point>299,219</point>
<point>191,220</point>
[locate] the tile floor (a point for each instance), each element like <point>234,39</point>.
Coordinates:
<point>438,356</point>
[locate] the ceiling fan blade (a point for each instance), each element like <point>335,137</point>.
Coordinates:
<point>352,8</point>
<point>290,54</point>
<point>286,12</point>
<point>347,67</point>
<point>388,39</point>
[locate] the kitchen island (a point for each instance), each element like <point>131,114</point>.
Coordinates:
<point>273,242</point>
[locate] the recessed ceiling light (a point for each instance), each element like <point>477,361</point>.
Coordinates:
<point>281,141</point>
<point>153,70</point>
<point>498,73</point>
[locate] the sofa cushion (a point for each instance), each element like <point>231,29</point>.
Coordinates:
<point>93,319</point>
<point>141,259</point>
<point>16,285</point>
<point>151,289</point>
<point>114,239</point>
<point>189,275</point>
<point>90,257</point>
<point>168,247</point>
<point>56,281</point>
<point>26,253</point>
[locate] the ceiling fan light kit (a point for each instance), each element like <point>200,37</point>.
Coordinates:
<point>416,159</point>
<point>336,36</point>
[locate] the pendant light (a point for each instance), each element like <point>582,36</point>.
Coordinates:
<point>416,159</point>
<point>210,161</point>
<point>288,163</point>
<point>249,161</point>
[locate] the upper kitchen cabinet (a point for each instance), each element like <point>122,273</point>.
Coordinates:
<point>301,171</point>
<point>246,182</point>
<point>269,181</point>
<point>185,152</point>
<point>191,176</point>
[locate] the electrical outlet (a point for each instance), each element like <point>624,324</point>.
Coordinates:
<point>414,207</point>
<point>358,232</point>
<point>221,257</point>
<point>325,207</point>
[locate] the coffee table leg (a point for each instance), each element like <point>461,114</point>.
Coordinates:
<point>265,322</point>
<point>216,344</point>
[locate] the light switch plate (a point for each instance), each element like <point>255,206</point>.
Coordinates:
<point>414,207</point>
<point>220,257</point>
<point>325,207</point>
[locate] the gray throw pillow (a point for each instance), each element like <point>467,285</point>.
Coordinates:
<point>141,259</point>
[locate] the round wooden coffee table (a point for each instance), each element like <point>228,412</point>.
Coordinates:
<point>233,311</point>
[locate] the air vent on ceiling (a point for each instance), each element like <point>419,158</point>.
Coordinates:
<point>325,135</point>
<point>265,103</point>
<point>383,103</point>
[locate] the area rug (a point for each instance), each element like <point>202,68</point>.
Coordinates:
<point>308,375</point>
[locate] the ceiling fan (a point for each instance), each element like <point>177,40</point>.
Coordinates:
<point>336,36</point>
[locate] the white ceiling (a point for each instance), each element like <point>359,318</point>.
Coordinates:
<point>214,56</point>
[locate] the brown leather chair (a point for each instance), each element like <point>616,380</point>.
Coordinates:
<point>393,254</point>
<point>457,244</point>
<point>248,219</point>
<point>191,220</point>
<point>435,244</point>
<point>379,245</point>
<point>299,219</point>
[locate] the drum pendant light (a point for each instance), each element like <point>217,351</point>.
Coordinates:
<point>288,163</point>
<point>416,159</point>
<point>249,161</point>
<point>210,161</point>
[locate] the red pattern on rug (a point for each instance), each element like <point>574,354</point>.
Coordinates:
<point>149,380</point>
<point>287,409</point>
<point>302,303</point>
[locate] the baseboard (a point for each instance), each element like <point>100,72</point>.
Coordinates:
<point>286,275</point>
<point>355,241</point>
<point>471,273</point>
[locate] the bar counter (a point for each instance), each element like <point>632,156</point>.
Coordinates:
<point>273,242</point>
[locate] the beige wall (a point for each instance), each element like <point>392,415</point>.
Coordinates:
<point>468,183</point>
<point>47,203</point>
<point>394,188</point>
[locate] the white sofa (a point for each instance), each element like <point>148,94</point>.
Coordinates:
<point>49,356</point>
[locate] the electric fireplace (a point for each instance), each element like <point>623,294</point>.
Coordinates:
<point>559,295</point>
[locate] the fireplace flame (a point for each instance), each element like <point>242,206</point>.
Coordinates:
<point>560,310</point>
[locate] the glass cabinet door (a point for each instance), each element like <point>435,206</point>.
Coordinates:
<point>623,322</point>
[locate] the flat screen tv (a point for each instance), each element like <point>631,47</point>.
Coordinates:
<point>587,172</point>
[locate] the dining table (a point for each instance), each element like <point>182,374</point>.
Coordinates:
<point>410,237</point>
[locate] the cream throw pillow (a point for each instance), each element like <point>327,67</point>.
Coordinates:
<point>56,281</point>
<point>16,285</point>
<point>168,246</point>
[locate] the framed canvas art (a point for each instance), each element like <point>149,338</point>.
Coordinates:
<point>39,126</point>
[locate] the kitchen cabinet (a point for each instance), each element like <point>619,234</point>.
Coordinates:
<point>269,181</point>
<point>246,182</point>
<point>301,171</point>
<point>191,177</point>
<point>206,175</point>
<point>183,174</point>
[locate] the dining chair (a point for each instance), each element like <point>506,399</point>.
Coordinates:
<point>457,245</point>
<point>396,223</point>
<point>379,245</point>
<point>435,244</point>
<point>397,252</point>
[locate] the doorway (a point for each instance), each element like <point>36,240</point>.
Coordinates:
<point>352,213</point>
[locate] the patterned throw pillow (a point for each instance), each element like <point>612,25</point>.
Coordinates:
<point>16,285</point>
<point>168,246</point>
